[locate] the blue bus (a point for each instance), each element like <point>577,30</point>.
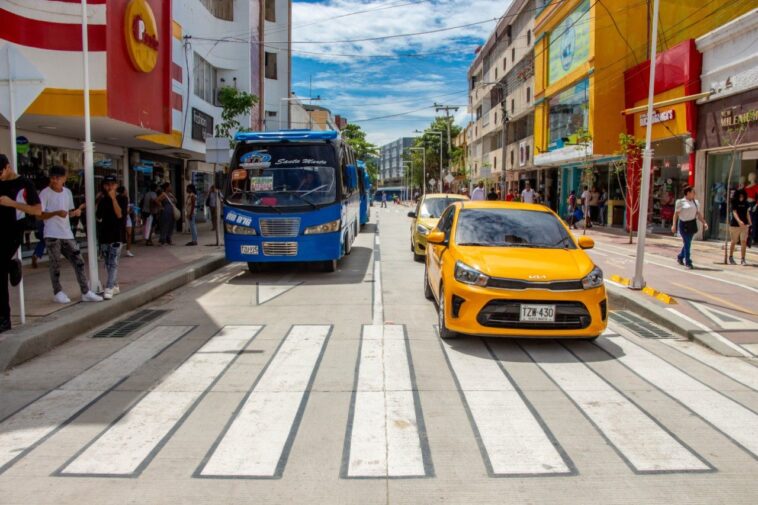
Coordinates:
<point>364,185</point>
<point>291,196</point>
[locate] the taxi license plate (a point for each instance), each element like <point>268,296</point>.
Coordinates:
<point>537,313</point>
<point>249,249</point>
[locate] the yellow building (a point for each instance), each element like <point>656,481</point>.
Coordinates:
<point>582,49</point>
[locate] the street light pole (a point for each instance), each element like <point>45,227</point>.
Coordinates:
<point>89,169</point>
<point>638,282</point>
<point>408,170</point>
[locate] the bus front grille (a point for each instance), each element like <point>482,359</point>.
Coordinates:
<point>280,248</point>
<point>280,227</point>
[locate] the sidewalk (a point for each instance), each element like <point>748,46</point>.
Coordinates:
<point>716,303</point>
<point>149,274</point>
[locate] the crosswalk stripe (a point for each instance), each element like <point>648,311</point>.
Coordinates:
<point>258,438</point>
<point>732,419</point>
<point>128,446</point>
<point>733,367</point>
<point>638,439</point>
<point>385,429</point>
<point>28,427</point>
<point>512,438</point>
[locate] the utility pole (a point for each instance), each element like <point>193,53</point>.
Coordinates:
<point>447,108</point>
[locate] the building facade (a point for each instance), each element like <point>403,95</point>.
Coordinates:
<point>276,54</point>
<point>391,157</point>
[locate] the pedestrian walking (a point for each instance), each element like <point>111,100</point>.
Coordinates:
<point>687,213</point>
<point>212,203</point>
<point>167,201</point>
<point>18,197</point>
<point>478,193</point>
<point>603,208</point>
<point>594,205</point>
<point>130,221</point>
<point>586,196</point>
<point>492,195</point>
<point>751,189</point>
<point>527,195</point>
<point>150,210</point>
<point>112,208</point>
<point>572,209</point>
<point>384,199</point>
<point>39,249</point>
<point>189,213</point>
<point>739,225</point>
<point>57,210</point>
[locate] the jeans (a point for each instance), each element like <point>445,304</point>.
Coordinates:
<point>684,255</point>
<point>193,227</point>
<point>39,250</point>
<point>69,249</point>
<point>111,252</point>
<point>8,247</point>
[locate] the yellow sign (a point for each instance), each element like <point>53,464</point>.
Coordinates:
<point>670,121</point>
<point>141,33</point>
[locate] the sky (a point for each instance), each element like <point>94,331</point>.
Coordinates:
<point>368,79</point>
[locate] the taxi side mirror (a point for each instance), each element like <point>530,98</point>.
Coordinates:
<point>436,237</point>
<point>412,214</point>
<point>586,242</point>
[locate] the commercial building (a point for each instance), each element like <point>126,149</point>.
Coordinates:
<point>582,50</point>
<point>155,70</point>
<point>276,50</point>
<point>727,135</point>
<point>391,157</point>
<point>501,84</point>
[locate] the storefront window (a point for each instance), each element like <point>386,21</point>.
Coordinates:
<point>569,115</point>
<point>718,187</point>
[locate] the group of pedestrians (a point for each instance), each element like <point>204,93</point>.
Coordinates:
<point>160,213</point>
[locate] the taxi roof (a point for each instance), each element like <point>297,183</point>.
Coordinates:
<point>499,204</point>
<point>454,196</point>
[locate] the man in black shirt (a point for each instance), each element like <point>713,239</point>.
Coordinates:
<point>17,198</point>
<point>111,219</point>
<point>739,224</point>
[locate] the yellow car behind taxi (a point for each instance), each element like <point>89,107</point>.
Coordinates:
<point>428,210</point>
<point>512,269</point>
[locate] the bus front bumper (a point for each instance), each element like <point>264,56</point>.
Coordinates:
<point>305,248</point>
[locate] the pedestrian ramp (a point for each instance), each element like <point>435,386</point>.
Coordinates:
<point>383,426</point>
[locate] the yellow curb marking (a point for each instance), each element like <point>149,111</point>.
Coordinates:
<point>651,292</point>
<point>621,280</point>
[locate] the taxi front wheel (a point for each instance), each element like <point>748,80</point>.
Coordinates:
<point>427,289</point>
<point>445,334</point>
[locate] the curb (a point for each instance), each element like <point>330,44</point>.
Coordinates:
<point>622,298</point>
<point>21,345</point>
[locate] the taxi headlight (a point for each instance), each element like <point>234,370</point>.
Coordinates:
<point>329,227</point>
<point>423,230</point>
<point>469,275</point>
<point>236,229</point>
<point>594,279</point>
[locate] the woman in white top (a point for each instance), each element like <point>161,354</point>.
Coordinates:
<point>687,213</point>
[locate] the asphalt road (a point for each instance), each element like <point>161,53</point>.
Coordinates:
<point>295,386</point>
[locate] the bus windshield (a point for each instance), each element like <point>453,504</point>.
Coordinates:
<point>283,175</point>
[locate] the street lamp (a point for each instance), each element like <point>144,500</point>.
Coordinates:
<point>423,157</point>
<point>408,179</point>
<point>440,133</point>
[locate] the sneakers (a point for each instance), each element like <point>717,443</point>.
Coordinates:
<point>743,262</point>
<point>61,297</point>
<point>731,260</point>
<point>89,296</point>
<point>14,272</point>
<point>191,243</point>
<point>116,290</point>
<point>108,294</point>
<point>680,261</point>
<point>690,267</point>
<point>129,254</point>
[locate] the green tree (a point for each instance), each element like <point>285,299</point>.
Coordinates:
<point>430,142</point>
<point>356,138</point>
<point>234,103</point>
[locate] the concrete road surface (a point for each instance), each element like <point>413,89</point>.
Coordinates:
<point>295,386</point>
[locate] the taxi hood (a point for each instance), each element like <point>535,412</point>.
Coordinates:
<point>528,264</point>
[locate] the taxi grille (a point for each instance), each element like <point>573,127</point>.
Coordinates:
<point>280,227</point>
<point>506,314</point>
<point>280,248</point>
<point>519,284</point>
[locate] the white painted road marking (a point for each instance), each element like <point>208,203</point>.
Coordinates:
<point>378,311</point>
<point>734,368</point>
<point>267,292</point>
<point>724,319</point>
<point>124,448</point>
<point>643,443</point>
<point>737,348</point>
<point>728,416</point>
<point>21,431</point>
<point>384,435</point>
<point>511,436</point>
<point>257,442</point>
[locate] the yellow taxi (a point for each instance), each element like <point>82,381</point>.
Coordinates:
<point>512,269</point>
<point>428,211</point>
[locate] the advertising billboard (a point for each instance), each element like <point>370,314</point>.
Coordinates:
<point>569,43</point>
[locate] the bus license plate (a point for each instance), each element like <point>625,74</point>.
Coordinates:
<point>249,249</point>
<point>538,313</point>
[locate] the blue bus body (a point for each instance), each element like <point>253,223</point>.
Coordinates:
<point>365,190</point>
<point>291,196</point>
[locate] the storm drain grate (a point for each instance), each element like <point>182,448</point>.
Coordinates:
<point>640,326</point>
<point>130,324</point>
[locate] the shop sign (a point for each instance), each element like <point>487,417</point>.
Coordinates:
<point>556,144</point>
<point>658,117</point>
<point>22,146</point>
<point>202,125</point>
<point>569,43</point>
<point>141,32</point>
<point>729,119</point>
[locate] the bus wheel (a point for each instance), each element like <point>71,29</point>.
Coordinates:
<point>254,267</point>
<point>330,266</point>
<point>348,245</point>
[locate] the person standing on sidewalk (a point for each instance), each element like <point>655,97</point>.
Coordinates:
<point>130,221</point>
<point>150,210</point>
<point>527,195</point>
<point>586,197</point>
<point>212,203</point>
<point>17,195</point>
<point>739,225</point>
<point>167,201</point>
<point>111,217</point>
<point>687,213</point>
<point>751,189</point>
<point>603,208</point>
<point>57,210</point>
<point>190,214</point>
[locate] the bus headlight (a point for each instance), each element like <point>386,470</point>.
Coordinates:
<point>329,227</point>
<point>236,229</point>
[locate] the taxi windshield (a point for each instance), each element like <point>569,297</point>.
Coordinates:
<point>511,228</point>
<point>433,207</point>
